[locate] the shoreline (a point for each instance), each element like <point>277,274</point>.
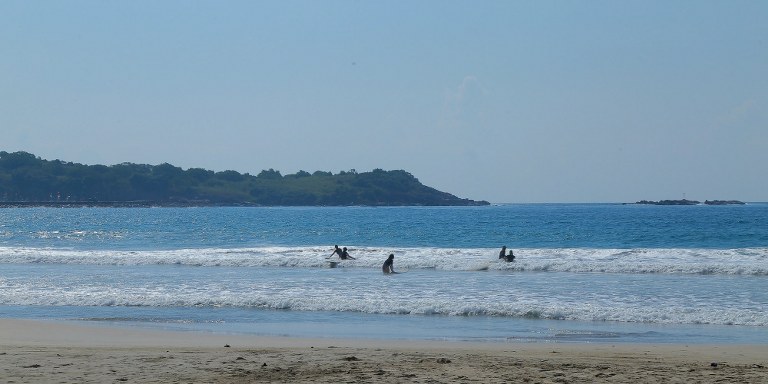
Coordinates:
<point>33,351</point>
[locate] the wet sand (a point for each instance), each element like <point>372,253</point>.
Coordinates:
<point>66,352</point>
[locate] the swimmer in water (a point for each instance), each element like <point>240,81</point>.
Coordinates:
<point>345,255</point>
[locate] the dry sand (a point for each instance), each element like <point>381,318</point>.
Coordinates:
<point>63,352</point>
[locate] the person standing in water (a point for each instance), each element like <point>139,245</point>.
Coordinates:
<point>388,267</point>
<point>337,251</point>
<point>503,253</point>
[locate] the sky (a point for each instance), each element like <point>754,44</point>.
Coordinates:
<point>505,101</point>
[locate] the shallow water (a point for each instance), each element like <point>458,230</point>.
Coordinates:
<point>583,272</point>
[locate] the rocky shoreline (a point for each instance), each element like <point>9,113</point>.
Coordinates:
<point>111,204</point>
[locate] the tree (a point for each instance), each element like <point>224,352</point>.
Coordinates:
<point>270,174</point>
<point>229,176</point>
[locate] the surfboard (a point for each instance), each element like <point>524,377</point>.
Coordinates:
<point>333,264</point>
<point>482,267</point>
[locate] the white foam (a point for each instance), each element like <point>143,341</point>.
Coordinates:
<point>370,303</point>
<point>742,261</point>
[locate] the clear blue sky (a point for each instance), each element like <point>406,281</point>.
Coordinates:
<point>505,101</point>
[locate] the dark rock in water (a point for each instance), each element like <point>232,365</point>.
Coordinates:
<point>690,202</point>
<point>723,202</point>
<point>670,202</point>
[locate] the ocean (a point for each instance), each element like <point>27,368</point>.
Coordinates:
<point>583,272</point>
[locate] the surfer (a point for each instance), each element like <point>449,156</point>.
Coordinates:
<point>342,252</point>
<point>345,255</point>
<point>503,255</point>
<point>387,268</point>
<point>337,251</point>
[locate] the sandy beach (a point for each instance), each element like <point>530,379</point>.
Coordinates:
<point>64,352</point>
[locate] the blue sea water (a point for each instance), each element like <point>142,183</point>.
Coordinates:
<point>583,273</point>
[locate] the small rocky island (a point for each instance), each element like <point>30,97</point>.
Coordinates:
<point>691,202</point>
<point>724,202</point>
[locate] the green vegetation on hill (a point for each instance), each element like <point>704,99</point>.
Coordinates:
<point>25,178</point>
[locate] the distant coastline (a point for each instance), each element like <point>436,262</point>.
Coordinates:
<point>115,204</point>
<point>27,181</point>
<point>691,202</point>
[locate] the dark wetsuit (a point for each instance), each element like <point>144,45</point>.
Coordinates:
<point>388,265</point>
<point>337,251</point>
<point>345,255</point>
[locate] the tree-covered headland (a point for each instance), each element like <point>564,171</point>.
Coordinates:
<point>26,179</point>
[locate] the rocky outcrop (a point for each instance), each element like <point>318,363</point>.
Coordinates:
<point>691,202</point>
